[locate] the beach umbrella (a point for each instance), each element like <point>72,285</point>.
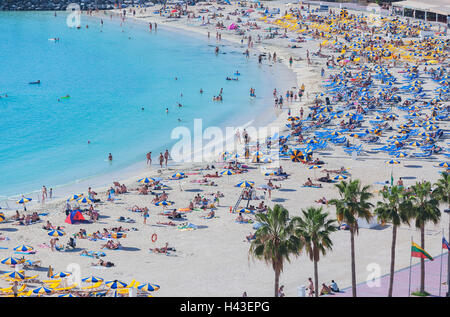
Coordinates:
<point>56,233</point>
<point>145,180</point>
<point>118,235</point>
<point>340,177</point>
<point>115,284</point>
<point>245,184</point>
<point>23,248</point>
<point>314,167</point>
<point>164,203</point>
<point>272,173</point>
<point>393,162</point>
<point>74,197</point>
<point>227,172</point>
<point>148,287</point>
<point>401,154</point>
<point>297,156</point>
<point>257,154</point>
<point>14,275</point>
<point>67,295</point>
<point>415,143</point>
<point>245,211</point>
<point>2,217</point>
<point>61,274</point>
<point>178,175</point>
<point>92,279</point>
<point>293,119</point>
<point>336,133</point>
<point>42,290</point>
<point>309,141</point>
<point>11,261</point>
<point>23,200</point>
<point>84,200</point>
<point>444,164</point>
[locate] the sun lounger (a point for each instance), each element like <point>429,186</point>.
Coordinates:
<point>96,285</point>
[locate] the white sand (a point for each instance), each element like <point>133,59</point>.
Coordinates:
<point>214,261</point>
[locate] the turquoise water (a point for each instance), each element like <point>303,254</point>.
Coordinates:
<point>110,75</point>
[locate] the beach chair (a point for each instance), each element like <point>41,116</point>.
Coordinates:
<point>96,285</point>
<point>63,289</point>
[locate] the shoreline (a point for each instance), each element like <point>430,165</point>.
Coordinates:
<point>137,170</point>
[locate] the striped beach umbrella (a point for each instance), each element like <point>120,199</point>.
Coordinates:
<point>10,261</point>
<point>393,162</point>
<point>314,167</point>
<point>227,172</point>
<point>67,295</point>
<point>297,156</point>
<point>2,217</point>
<point>115,284</point>
<point>74,197</point>
<point>293,119</point>
<point>336,133</point>
<point>444,164</point>
<point>84,200</point>
<point>245,184</point>
<point>23,248</point>
<point>258,154</point>
<point>148,287</point>
<point>42,290</point>
<point>178,175</point>
<point>61,274</point>
<point>245,211</point>
<point>56,233</point>
<point>145,180</point>
<point>92,279</point>
<point>164,203</point>
<point>401,154</point>
<point>271,173</point>
<point>23,200</point>
<point>14,275</point>
<point>340,177</point>
<point>415,143</point>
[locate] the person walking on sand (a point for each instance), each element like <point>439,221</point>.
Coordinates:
<point>14,289</point>
<point>310,287</point>
<point>44,193</point>
<point>145,216</point>
<point>281,291</point>
<point>161,159</point>
<point>166,156</point>
<point>149,158</point>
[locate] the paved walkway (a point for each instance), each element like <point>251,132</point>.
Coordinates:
<point>401,281</point>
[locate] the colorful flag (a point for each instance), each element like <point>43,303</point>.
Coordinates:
<point>445,244</point>
<point>418,252</point>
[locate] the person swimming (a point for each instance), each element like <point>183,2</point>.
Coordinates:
<point>37,82</point>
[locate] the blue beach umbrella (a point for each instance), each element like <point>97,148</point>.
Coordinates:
<point>23,248</point>
<point>115,284</point>
<point>92,279</point>
<point>10,261</point>
<point>42,290</point>
<point>148,287</point>
<point>23,200</point>
<point>164,203</point>
<point>61,274</point>
<point>145,180</point>
<point>245,184</point>
<point>56,233</point>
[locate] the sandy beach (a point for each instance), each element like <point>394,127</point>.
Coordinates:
<point>213,259</point>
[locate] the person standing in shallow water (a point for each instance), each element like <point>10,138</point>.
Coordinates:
<point>161,159</point>
<point>110,157</point>
<point>149,158</point>
<point>166,156</point>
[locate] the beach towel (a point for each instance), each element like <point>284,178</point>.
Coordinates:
<point>312,186</point>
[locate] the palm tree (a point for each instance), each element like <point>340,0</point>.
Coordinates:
<point>395,208</point>
<point>442,193</point>
<point>425,209</point>
<point>442,189</point>
<point>314,230</point>
<point>352,205</point>
<point>275,241</point>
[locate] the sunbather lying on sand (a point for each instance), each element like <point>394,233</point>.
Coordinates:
<point>163,249</point>
<point>103,263</point>
<point>339,171</point>
<point>170,223</point>
<point>322,200</point>
<point>111,245</point>
<point>309,183</point>
<point>213,175</point>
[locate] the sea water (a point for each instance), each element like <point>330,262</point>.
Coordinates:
<point>110,73</point>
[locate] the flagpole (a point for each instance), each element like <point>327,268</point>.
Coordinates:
<point>410,261</point>
<point>440,271</point>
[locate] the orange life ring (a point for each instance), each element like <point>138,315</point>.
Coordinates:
<point>154,237</point>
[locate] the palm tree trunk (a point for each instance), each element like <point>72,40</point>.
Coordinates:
<point>422,260</point>
<point>277,281</point>
<point>316,272</point>
<point>352,247</point>
<point>391,278</point>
